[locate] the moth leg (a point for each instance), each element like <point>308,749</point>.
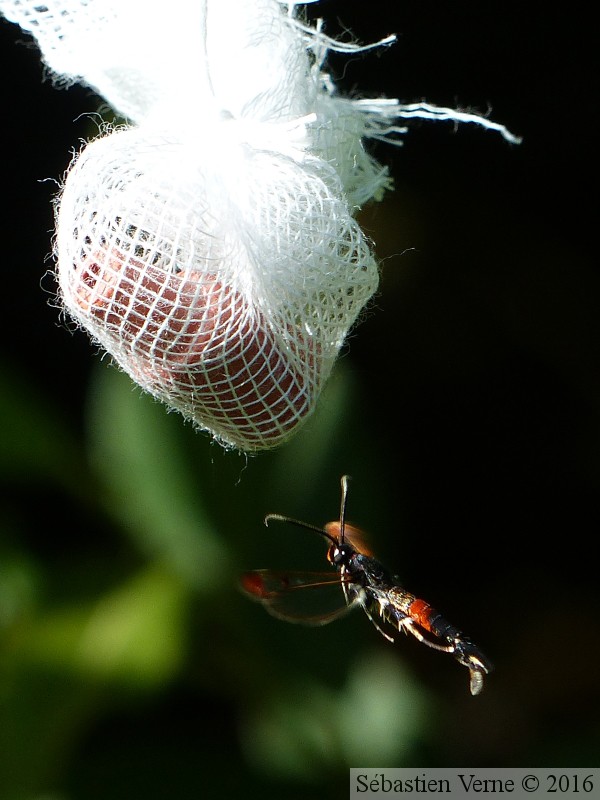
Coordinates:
<point>413,628</point>
<point>377,625</point>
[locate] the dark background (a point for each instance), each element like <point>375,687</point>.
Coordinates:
<point>466,407</point>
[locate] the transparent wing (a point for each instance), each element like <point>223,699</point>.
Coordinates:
<point>353,536</point>
<point>307,598</point>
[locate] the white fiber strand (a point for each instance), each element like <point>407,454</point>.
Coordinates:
<point>428,111</point>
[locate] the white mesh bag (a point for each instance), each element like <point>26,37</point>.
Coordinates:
<point>209,243</point>
<point>224,304</point>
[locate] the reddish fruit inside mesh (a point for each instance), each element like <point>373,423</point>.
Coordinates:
<point>195,339</point>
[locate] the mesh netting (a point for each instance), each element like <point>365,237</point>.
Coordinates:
<point>209,244</point>
<point>226,305</point>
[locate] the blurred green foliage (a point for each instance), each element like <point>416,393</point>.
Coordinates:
<point>131,665</point>
<point>112,627</point>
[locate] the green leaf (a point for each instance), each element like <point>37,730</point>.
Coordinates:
<point>136,448</point>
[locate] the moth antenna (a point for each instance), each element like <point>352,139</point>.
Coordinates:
<point>344,482</point>
<point>300,524</point>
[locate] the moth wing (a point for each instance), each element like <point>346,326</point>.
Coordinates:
<point>353,536</point>
<point>306,598</point>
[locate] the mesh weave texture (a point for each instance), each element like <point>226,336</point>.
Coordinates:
<point>226,305</point>
<point>209,243</point>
